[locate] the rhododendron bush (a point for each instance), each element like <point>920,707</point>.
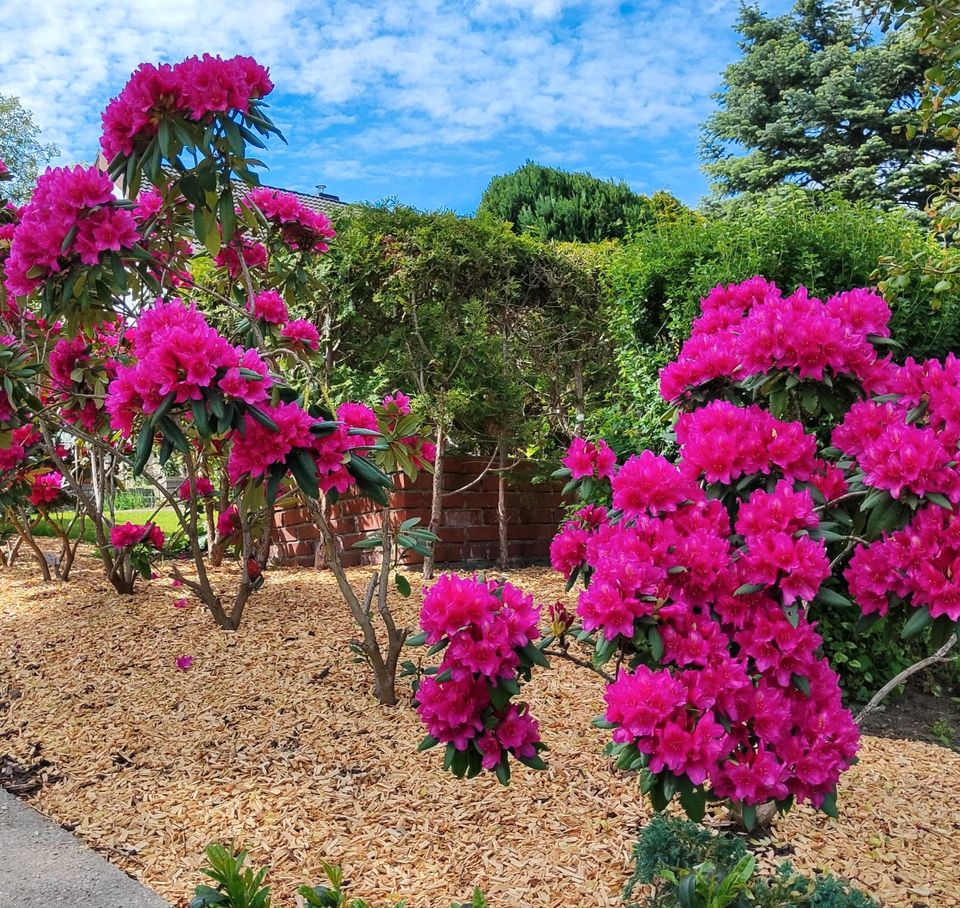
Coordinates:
<point>163,324</point>
<point>812,472</point>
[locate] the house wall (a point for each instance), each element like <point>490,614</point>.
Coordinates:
<point>468,532</point>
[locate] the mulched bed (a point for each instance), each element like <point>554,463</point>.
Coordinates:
<point>273,738</point>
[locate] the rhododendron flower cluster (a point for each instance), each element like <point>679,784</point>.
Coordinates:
<point>920,562</point>
<point>569,547</point>
<point>256,448</point>
<point>487,629</point>
<point>301,228</point>
<point>201,488</point>
<point>751,329</point>
<point>301,334</point>
<point>46,489</point>
<point>177,353</point>
<point>191,89</point>
<point>586,459</point>
<point>726,696</point>
<point>908,444</point>
<point>127,535</point>
<point>269,307</point>
<point>239,252</point>
<point>722,442</point>
<point>71,215</point>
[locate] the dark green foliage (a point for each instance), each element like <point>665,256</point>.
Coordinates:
<point>865,659</point>
<point>670,850</point>
<point>815,101</point>
<point>555,204</point>
<point>494,333</point>
<point>653,284</point>
<point>669,842</point>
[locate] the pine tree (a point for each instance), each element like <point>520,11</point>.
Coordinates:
<point>816,101</point>
<point>558,205</point>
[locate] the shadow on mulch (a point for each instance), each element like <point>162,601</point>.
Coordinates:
<point>918,716</point>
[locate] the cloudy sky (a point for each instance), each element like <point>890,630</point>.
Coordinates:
<point>421,100</point>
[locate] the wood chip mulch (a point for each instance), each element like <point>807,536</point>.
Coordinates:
<point>273,739</point>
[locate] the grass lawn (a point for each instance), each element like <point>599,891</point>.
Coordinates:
<point>165,519</point>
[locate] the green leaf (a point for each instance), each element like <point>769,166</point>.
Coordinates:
<point>263,419</point>
<point>403,585</point>
<point>142,450</point>
<point>200,419</point>
<point>428,742</point>
<point>304,470</point>
<point>801,684</point>
<point>746,588</point>
<point>916,623</point>
<point>829,806</point>
<point>831,597</point>
<point>939,499</point>
<point>656,643</point>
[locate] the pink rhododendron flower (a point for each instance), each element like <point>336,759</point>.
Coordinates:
<point>399,401</point>
<point>300,227</point>
<point>181,603</point>
<point>71,215</point>
<point>256,448</point>
<point>125,535</point>
<point>184,663</point>
<point>46,489</point>
<point>191,89</point>
<point>588,459</point>
<point>269,307</point>
<point>203,488</point>
<point>228,523</point>
<point>11,457</point>
<point>301,333</point>
<point>242,251</point>
<point>751,329</point>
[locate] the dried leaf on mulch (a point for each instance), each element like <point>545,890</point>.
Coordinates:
<point>273,739</point>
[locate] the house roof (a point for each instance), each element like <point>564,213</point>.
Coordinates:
<point>321,201</point>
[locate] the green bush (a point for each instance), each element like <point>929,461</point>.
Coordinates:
<point>691,867</point>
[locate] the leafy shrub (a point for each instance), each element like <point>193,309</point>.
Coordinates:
<point>236,887</point>
<point>721,872</point>
<point>239,887</point>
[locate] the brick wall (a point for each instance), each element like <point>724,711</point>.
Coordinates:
<point>468,532</point>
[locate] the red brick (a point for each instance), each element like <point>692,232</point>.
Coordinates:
<point>368,522</point>
<point>451,534</point>
<point>481,534</point>
<point>456,518</point>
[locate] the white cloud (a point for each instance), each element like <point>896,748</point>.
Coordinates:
<point>406,76</point>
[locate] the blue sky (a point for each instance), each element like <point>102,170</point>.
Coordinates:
<point>422,100</point>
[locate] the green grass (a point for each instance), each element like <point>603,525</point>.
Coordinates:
<point>165,519</point>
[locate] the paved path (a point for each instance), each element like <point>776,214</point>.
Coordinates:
<point>43,866</point>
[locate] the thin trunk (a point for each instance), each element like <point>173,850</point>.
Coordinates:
<point>436,502</point>
<point>384,683</point>
<point>941,655</point>
<point>502,526</point>
<point>13,548</point>
<point>22,527</point>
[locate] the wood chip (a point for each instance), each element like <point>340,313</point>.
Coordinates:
<point>273,739</point>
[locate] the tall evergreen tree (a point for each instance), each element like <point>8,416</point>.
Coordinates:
<point>558,205</point>
<point>816,101</point>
